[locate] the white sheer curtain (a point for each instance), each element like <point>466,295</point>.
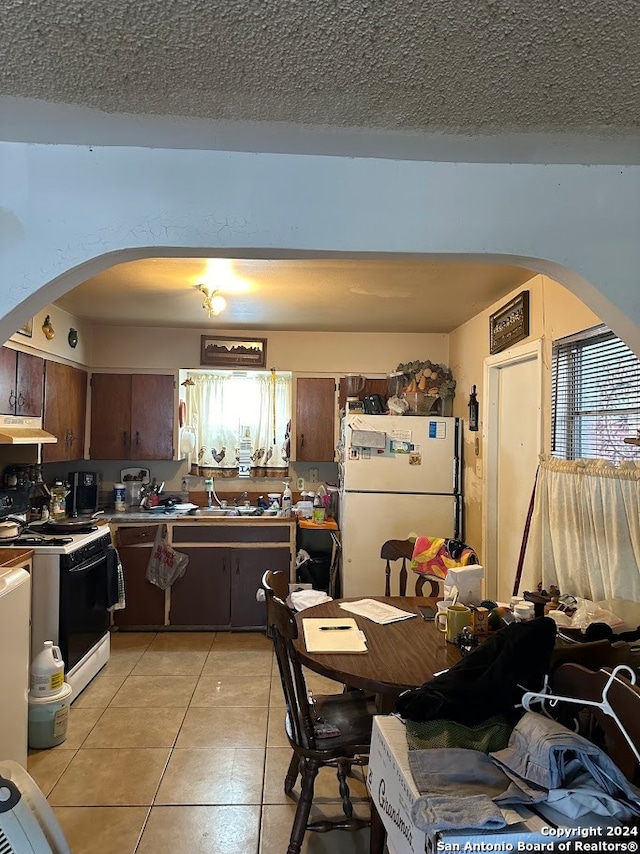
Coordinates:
<point>585,528</point>
<point>222,404</point>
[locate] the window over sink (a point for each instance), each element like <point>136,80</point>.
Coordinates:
<point>241,421</point>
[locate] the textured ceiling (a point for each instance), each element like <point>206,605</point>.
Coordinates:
<point>307,295</point>
<point>461,67</point>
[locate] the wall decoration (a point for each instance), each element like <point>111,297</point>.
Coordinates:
<point>47,328</point>
<point>27,329</point>
<point>509,324</point>
<point>72,337</point>
<point>224,352</point>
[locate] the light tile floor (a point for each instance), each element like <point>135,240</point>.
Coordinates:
<point>179,744</point>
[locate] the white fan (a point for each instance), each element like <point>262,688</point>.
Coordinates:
<point>27,822</point>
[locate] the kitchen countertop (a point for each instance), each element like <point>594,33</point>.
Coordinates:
<point>156,518</point>
<point>14,556</point>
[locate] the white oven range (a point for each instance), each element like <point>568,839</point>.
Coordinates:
<point>69,601</point>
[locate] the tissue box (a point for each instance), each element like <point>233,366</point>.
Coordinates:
<point>469,582</point>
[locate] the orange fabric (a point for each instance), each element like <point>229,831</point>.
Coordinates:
<point>431,557</point>
<point>328,525</point>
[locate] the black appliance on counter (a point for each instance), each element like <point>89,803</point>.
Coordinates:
<point>374,404</point>
<point>83,493</point>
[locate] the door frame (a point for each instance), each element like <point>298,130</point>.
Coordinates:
<point>492,367</point>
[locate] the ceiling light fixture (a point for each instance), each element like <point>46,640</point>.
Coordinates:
<point>212,303</point>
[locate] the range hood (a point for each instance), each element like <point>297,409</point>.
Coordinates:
<point>15,430</point>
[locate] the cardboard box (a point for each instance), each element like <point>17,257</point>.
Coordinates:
<point>393,793</point>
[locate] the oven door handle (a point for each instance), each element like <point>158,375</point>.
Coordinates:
<point>89,564</point>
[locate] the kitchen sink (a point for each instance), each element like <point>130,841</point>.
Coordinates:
<point>210,511</point>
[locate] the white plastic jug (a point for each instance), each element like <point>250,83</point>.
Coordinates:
<point>47,671</point>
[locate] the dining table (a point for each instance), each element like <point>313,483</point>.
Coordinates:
<point>400,655</point>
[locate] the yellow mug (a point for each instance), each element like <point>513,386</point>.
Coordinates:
<point>452,621</point>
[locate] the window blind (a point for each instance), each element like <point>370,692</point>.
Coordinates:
<point>595,397</point>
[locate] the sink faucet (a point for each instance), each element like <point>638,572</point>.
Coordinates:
<point>211,492</point>
<point>239,497</point>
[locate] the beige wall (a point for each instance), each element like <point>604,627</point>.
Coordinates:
<point>554,313</point>
<point>315,353</point>
<point>58,348</point>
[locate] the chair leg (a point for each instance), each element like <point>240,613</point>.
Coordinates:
<point>309,770</point>
<point>343,769</point>
<point>292,774</point>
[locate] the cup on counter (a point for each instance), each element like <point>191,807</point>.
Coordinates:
<point>452,621</point>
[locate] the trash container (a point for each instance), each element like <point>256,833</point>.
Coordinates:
<point>316,570</point>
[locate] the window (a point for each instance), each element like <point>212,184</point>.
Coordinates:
<point>241,420</point>
<point>595,397</point>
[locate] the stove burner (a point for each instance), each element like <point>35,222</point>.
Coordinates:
<point>42,541</point>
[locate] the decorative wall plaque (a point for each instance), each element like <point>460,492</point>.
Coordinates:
<point>510,324</point>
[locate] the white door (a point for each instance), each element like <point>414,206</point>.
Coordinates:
<point>368,520</point>
<point>512,426</point>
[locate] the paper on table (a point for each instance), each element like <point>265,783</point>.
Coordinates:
<point>324,636</point>
<point>378,612</point>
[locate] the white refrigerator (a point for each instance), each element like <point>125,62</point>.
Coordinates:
<point>399,475</point>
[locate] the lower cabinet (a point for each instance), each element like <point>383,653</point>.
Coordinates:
<point>202,597</point>
<point>247,568</point>
<point>218,589</point>
<point>145,602</point>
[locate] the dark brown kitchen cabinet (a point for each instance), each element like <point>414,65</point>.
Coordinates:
<point>145,603</point>
<point>247,568</point>
<point>132,417</point>
<point>65,407</point>
<point>202,597</point>
<point>371,386</point>
<point>21,383</point>
<point>315,419</point>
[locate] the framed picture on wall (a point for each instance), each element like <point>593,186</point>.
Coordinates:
<point>509,324</point>
<point>221,351</point>
<point>27,329</point>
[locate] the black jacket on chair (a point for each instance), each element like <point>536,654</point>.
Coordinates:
<point>489,680</point>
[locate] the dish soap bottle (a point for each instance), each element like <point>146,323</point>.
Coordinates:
<point>286,499</point>
<point>58,495</point>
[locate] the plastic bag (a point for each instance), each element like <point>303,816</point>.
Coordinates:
<point>166,565</point>
<point>588,612</point>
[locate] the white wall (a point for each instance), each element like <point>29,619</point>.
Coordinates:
<point>67,212</point>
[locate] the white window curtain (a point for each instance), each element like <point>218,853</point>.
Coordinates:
<point>222,406</point>
<point>585,529</point>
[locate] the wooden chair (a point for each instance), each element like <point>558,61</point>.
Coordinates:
<point>592,654</point>
<point>394,550</point>
<point>351,713</point>
<point>573,680</point>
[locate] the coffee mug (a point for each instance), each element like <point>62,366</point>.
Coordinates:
<point>452,621</point>
<point>444,604</point>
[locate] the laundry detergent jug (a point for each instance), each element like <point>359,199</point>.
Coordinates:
<point>47,671</point>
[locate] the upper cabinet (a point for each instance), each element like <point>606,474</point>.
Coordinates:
<point>65,407</point>
<point>371,386</point>
<point>21,383</point>
<point>315,419</point>
<point>132,417</point>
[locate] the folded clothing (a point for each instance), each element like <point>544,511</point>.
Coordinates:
<point>544,753</point>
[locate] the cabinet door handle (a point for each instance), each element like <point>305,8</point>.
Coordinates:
<point>20,401</point>
<point>137,437</point>
<point>72,437</point>
<point>302,440</point>
<point>12,399</point>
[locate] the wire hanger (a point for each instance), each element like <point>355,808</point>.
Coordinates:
<point>604,705</point>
